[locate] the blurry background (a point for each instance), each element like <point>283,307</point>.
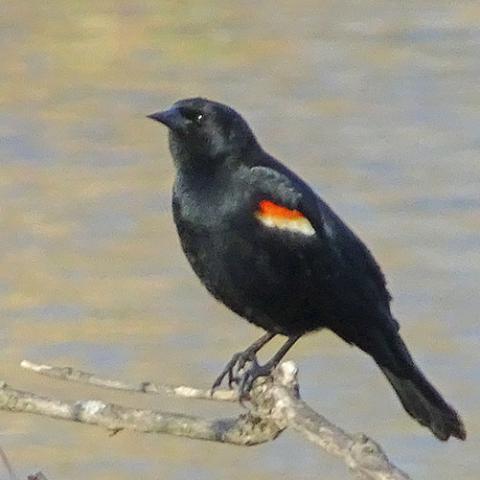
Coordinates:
<point>376,103</point>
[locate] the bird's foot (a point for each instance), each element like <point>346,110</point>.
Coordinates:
<point>248,377</point>
<point>233,367</point>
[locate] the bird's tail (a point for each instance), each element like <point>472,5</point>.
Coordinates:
<point>417,395</point>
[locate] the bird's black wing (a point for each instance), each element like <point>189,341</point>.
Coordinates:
<point>277,186</point>
<point>356,270</point>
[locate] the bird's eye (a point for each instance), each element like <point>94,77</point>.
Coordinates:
<point>193,116</point>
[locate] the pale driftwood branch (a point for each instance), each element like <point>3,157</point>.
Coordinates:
<point>11,472</point>
<point>72,375</point>
<point>243,430</point>
<point>275,401</point>
<point>37,476</point>
<point>8,467</point>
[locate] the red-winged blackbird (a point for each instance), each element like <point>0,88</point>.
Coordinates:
<point>263,243</point>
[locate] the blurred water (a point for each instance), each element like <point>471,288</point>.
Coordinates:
<point>376,103</point>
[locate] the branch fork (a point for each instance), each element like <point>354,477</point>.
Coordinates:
<point>275,406</point>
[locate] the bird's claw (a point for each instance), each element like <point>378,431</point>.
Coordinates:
<point>233,368</point>
<point>243,377</point>
<point>249,376</point>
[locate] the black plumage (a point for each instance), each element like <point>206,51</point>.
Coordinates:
<point>263,243</point>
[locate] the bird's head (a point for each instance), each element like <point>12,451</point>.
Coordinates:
<point>204,133</point>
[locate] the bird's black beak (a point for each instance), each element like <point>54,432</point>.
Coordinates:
<point>172,118</point>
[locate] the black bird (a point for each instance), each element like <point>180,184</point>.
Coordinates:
<point>263,243</point>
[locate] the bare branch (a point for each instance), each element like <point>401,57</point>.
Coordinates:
<point>244,430</point>
<point>364,457</point>
<point>11,472</point>
<point>79,376</point>
<point>37,476</point>
<point>276,405</point>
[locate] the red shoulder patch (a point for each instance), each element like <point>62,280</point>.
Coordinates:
<point>273,215</point>
<point>271,209</point>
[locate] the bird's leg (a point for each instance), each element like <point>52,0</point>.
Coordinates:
<point>257,370</point>
<point>239,360</point>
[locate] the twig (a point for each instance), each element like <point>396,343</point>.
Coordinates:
<point>79,376</point>
<point>243,430</point>
<point>11,472</point>
<point>364,457</point>
<point>37,476</point>
<point>276,405</point>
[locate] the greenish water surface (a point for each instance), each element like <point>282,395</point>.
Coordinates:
<point>376,103</point>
